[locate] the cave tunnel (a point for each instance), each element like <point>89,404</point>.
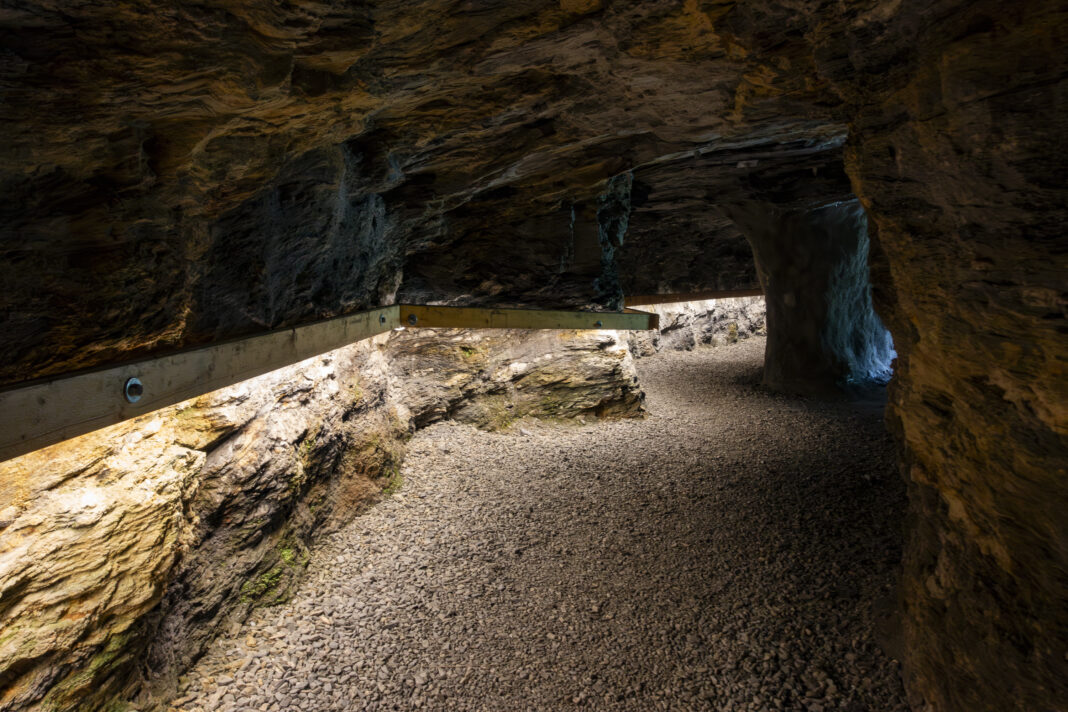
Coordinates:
<point>550,355</point>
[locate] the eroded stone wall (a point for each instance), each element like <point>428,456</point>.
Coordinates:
<point>180,173</point>
<point>956,106</point>
<point>685,325</point>
<point>165,161</point>
<point>813,264</point>
<point>125,551</point>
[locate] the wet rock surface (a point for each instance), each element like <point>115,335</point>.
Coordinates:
<point>723,554</point>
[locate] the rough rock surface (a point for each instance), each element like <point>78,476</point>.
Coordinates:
<point>187,505</point>
<point>129,549</point>
<point>813,267</point>
<point>177,172</point>
<point>494,378</point>
<point>955,108</point>
<point>685,325</point>
<point>724,553</point>
<point>680,239</point>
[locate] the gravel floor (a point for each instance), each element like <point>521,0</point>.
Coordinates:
<point>722,554</point>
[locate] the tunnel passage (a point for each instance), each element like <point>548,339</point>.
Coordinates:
<point>181,173</point>
<point>726,548</point>
<point>823,331</point>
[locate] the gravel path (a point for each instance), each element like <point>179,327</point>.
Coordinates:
<point>722,554</point>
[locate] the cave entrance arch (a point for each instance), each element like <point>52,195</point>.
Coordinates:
<point>823,331</point>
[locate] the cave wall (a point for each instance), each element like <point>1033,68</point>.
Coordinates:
<point>182,173</point>
<point>144,538</point>
<point>458,152</point>
<point>823,332</point>
<point>124,552</point>
<point>955,107</point>
<point>709,322</point>
<point>680,240</point>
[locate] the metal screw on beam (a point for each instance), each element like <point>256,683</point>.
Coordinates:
<point>381,318</point>
<point>413,319</point>
<point>598,323</point>
<point>133,390</point>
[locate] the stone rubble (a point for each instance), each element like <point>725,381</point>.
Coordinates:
<point>685,325</point>
<point>725,553</point>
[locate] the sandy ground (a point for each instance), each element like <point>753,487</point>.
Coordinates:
<point>724,553</point>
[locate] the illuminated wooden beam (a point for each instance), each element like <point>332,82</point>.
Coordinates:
<point>648,299</point>
<point>481,318</point>
<point>48,411</point>
<point>41,413</point>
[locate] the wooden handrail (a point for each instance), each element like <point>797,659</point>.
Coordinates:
<point>648,299</point>
<point>40,413</point>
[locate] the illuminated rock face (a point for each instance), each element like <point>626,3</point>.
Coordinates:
<point>175,173</point>
<point>148,536</point>
<point>685,325</point>
<point>813,264</point>
<point>125,551</point>
<point>493,378</point>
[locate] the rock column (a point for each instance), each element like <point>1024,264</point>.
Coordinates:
<point>812,265</point>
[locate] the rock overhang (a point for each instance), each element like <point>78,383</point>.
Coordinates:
<point>464,144</point>
<point>185,174</point>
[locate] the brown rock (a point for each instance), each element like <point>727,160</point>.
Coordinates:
<point>127,550</point>
<point>176,173</point>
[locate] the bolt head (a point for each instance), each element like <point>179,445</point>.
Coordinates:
<point>133,389</point>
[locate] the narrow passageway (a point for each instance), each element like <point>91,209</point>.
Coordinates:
<point>724,553</point>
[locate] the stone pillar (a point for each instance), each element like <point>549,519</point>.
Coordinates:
<point>595,234</point>
<point>812,265</point>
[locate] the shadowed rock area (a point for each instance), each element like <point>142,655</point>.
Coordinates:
<point>180,173</point>
<point>194,171</point>
<point>813,266</point>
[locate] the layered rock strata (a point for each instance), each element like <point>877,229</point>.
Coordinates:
<point>176,173</point>
<point>685,325</point>
<point>183,173</point>
<point>125,551</point>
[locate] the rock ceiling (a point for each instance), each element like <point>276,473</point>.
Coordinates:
<point>188,172</point>
<point>176,173</point>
